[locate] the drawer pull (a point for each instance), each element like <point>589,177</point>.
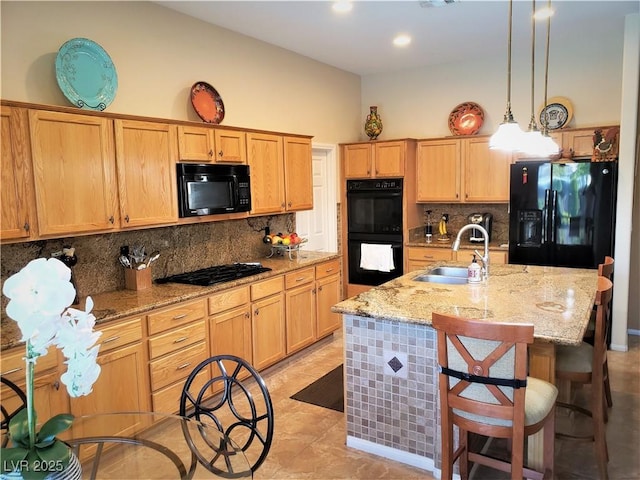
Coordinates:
<point>180,340</point>
<point>329,270</point>
<point>300,279</point>
<point>428,256</point>
<point>12,371</point>
<point>111,339</point>
<point>178,317</point>
<point>183,366</point>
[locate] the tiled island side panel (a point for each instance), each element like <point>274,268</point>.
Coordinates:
<point>391,387</point>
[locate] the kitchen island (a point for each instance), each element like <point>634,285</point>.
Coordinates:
<point>391,394</point>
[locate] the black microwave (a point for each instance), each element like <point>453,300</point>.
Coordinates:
<point>212,189</point>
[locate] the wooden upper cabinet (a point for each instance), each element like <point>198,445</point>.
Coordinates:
<point>438,171</point>
<point>265,154</point>
<point>461,170</point>
<point>374,160</point>
<point>196,144</point>
<point>486,172</point>
<point>146,154</point>
<point>17,180</point>
<point>357,160</point>
<point>211,145</point>
<point>388,159</point>
<point>298,173</point>
<point>580,141</point>
<point>74,173</point>
<point>231,146</point>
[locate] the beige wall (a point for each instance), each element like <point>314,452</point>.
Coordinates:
<point>159,54</point>
<point>417,103</point>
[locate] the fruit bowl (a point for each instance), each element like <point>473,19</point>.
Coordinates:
<point>281,249</point>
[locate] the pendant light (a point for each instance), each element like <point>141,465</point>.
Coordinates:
<point>533,141</point>
<point>550,147</point>
<point>509,135</point>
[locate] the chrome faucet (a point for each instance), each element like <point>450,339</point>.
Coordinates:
<point>485,234</point>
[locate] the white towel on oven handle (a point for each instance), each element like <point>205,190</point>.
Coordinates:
<point>376,257</point>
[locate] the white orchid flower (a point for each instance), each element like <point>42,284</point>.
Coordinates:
<point>82,372</point>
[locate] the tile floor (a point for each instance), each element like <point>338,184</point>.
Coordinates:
<point>310,441</point>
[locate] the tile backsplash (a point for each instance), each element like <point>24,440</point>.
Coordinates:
<point>182,248</point>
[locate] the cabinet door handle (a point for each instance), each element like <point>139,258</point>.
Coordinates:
<point>282,205</point>
<point>289,204</point>
<point>126,219</point>
<point>26,226</point>
<point>319,289</point>
<point>111,219</point>
<point>111,339</point>
<point>180,340</point>
<point>211,153</point>
<point>178,317</point>
<point>56,385</point>
<point>247,315</point>
<point>12,371</point>
<point>256,311</point>
<point>220,153</point>
<point>183,366</point>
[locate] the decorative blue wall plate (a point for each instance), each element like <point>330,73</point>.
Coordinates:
<point>86,75</point>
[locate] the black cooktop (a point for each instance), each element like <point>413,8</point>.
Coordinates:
<point>216,274</point>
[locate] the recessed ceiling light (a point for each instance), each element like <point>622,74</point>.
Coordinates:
<point>342,6</point>
<point>544,13</point>
<point>402,40</point>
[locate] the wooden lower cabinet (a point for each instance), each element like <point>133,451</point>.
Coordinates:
<point>121,387</point>
<point>50,394</point>
<point>496,257</point>
<point>268,322</point>
<point>328,293</point>
<point>419,258</point>
<point>300,309</point>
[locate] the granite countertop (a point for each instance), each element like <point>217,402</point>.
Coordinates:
<point>558,301</point>
<point>119,304</point>
<point>465,244</point>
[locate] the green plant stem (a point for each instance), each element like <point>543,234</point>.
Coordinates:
<point>31,412</point>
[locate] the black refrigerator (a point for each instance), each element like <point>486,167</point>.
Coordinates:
<point>562,214</point>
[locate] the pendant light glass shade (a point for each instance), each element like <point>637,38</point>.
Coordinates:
<point>509,134</point>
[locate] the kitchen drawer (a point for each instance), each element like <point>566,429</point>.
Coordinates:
<point>266,288</point>
<point>175,316</point>
<point>12,364</point>
<point>167,400</point>
<point>235,297</point>
<point>328,268</point>
<point>299,277</point>
<point>429,254</point>
<point>177,339</point>
<point>120,333</point>
<point>496,257</point>
<point>176,366</point>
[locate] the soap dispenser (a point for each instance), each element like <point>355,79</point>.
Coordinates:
<point>474,272</point>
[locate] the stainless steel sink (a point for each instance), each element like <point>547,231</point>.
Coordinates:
<point>450,271</point>
<point>447,275</point>
<point>427,277</point>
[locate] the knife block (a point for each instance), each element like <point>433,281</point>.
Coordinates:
<point>137,279</point>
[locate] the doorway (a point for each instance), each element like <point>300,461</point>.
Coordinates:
<point>320,225</point>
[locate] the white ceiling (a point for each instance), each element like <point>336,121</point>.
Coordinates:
<point>361,41</point>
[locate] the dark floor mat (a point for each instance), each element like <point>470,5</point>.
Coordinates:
<point>327,391</point>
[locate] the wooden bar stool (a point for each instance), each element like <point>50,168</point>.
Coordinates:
<point>587,365</point>
<point>484,389</point>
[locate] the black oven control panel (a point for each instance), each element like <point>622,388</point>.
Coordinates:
<point>392,184</point>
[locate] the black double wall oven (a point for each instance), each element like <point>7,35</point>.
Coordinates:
<point>374,217</point>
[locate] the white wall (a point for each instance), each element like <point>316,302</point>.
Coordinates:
<point>159,54</point>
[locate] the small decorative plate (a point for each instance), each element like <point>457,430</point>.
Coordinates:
<point>207,102</point>
<point>85,74</point>
<point>466,119</point>
<point>558,111</point>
